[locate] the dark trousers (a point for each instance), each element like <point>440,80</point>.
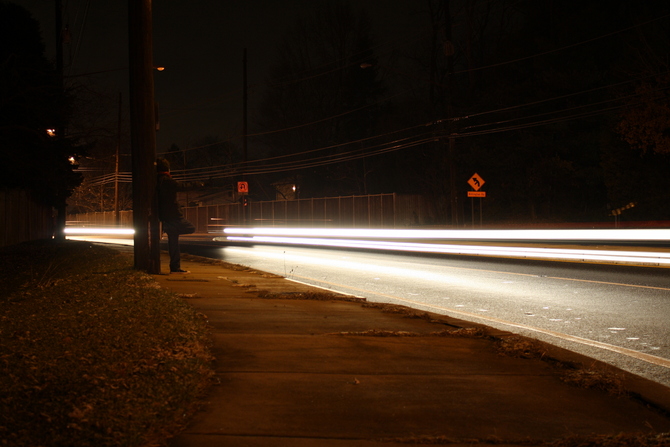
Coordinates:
<point>174,229</point>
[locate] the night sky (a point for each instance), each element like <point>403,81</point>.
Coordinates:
<point>538,87</point>
<point>201,44</point>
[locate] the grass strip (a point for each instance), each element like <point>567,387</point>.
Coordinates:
<point>93,352</point>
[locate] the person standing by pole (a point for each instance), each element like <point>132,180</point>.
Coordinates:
<point>170,213</point>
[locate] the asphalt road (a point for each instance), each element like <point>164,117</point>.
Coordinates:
<point>614,313</point>
<point>617,314</point>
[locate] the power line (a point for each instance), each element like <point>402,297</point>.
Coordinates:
<point>419,139</point>
<point>473,130</point>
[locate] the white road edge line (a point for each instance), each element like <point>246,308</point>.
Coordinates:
<point>324,288</point>
<point>659,361</point>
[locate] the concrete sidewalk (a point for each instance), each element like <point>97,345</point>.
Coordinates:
<point>296,370</point>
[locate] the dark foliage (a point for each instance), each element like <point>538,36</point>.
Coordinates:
<point>32,101</point>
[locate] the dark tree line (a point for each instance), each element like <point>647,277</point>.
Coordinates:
<point>561,106</point>
<point>33,105</point>
<point>320,97</point>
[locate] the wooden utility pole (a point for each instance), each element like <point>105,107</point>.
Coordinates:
<point>451,151</point>
<point>117,215</point>
<point>143,136</point>
<point>59,230</point>
<point>245,100</point>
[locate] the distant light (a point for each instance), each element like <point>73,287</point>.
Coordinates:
<point>51,132</point>
<point>159,68</point>
<point>72,160</point>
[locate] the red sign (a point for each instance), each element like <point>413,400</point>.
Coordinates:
<point>476,193</point>
<point>243,187</point>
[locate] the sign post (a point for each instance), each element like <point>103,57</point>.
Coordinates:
<point>476,182</point>
<point>243,191</point>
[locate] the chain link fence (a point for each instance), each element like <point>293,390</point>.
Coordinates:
<point>367,211</point>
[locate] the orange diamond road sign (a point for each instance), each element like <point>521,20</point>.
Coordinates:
<point>476,182</point>
<point>243,187</point>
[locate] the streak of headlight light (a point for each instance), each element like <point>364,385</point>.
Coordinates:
<point>531,252</point>
<point>565,234</point>
<point>99,231</point>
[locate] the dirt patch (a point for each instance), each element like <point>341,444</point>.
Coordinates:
<point>315,296</point>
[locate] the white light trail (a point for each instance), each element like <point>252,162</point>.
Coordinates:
<point>93,230</point>
<point>591,235</point>
<point>379,240</point>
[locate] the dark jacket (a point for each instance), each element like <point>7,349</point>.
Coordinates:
<point>169,209</point>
